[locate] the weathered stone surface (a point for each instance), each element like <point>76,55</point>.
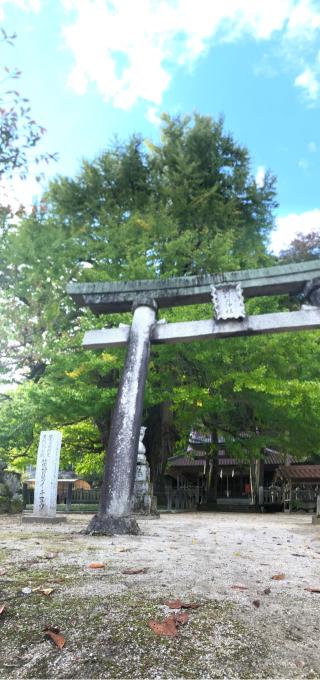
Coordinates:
<point>209,329</point>
<point>33,519</point>
<point>108,525</point>
<point>118,483</point>
<point>228,301</point>
<point>4,505</point>
<point>4,491</point>
<point>118,296</point>
<point>311,291</point>
<point>46,480</point>
<point>16,504</point>
<point>144,503</point>
<point>10,491</point>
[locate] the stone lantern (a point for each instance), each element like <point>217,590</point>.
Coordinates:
<point>144,503</point>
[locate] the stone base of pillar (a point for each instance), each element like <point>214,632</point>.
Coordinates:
<point>35,519</point>
<point>316,519</point>
<point>108,525</point>
<point>145,503</point>
<point>146,517</point>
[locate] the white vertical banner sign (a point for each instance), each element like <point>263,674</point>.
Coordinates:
<point>46,481</point>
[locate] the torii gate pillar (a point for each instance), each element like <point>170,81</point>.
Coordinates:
<point>121,462</point>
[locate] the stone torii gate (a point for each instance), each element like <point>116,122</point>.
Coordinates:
<point>228,292</point>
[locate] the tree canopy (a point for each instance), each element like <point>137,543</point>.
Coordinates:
<point>187,205</point>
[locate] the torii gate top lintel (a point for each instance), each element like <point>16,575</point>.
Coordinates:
<point>119,296</point>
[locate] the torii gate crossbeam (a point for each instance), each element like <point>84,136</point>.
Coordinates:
<point>228,292</point>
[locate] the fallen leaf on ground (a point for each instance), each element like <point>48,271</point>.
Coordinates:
<point>120,550</point>
<point>267,591</point>
<point>298,555</point>
<point>299,663</point>
<point>96,565</point>
<point>256,603</point>
<point>167,627</point>
<point>57,639</point>
<point>239,587</point>
<point>2,608</point>
<point>2,571</point>
<point>194,540</point>
<point>173,604</point>
<point>54,629</point>
<point>44,591</point>
<point>313,590</point>
<point>143,570</point>
<point>182,618</point>
<point>178,604</point>
<point>47,591</point>
<point>278,577</point>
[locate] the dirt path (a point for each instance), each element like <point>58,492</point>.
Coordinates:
<point>103,613</point>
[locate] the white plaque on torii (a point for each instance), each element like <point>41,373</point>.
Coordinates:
<point>228,301</point>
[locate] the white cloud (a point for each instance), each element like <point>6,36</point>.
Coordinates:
<point>25,5</point>
<point>130,50</point>
<point>312,147</point>
<point>304,21</point>
<point>17,192</point>
<point>309,80</point>
<point>153,116</point>
<point>260,176</point>
<point>303,163</point>
<point>288,226</point>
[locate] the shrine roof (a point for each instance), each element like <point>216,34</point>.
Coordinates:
<point>186,461</point>
<point>198,458</point>
<point>196,461</point>
<point>300,473</point>
<point>272,457</point>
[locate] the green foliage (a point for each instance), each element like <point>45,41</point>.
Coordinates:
<point>257,392</point>
<point>186,206</point>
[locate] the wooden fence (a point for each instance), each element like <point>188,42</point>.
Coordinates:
<point>84,497</point>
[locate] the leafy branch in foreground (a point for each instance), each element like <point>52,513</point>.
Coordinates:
<point>19,132</point>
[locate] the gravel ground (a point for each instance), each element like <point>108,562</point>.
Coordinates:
<point>263,628</point>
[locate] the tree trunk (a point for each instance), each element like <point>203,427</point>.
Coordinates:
<point>212,491</point>
<point>160,439</point>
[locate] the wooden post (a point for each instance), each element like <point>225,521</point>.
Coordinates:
<point>69,496</point>
<point>25,495</point>
<point>290,496</point>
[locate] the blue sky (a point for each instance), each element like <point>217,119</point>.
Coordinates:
<point>93,69</point>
